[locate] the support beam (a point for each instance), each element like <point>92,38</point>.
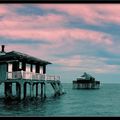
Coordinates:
<point>36,89</point>
<point>41,90</point>
<point>21,91</point>
<point>25,90</point>
<point>21,88</point>
<point>8,90</point>
<point>44,90</point>
<point>17,90</point>
<point>31,90</point>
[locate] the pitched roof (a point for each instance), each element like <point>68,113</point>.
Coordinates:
<point>14,55</point>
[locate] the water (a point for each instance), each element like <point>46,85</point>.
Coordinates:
<point>100,102</point>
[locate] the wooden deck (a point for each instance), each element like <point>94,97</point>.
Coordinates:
<point>37,82</point>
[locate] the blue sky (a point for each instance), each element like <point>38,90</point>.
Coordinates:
<point>76,38</point>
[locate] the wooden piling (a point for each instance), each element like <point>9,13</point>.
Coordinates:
<point>25,90</point>
<point>41,90</point>
<point>36,89</point>
<point>21,91</point>
<point>8,90</point>
<point>44,90</point>
<point>31,90</point>
<point>17,90</point>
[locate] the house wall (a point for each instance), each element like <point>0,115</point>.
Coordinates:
<point>35,68</point>
<point>3,70</point>
<point>12,67</point>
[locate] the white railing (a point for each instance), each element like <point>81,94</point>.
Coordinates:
<point>52,77</point>
<point>30,76</point>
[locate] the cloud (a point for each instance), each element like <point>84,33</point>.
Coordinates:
<point>56,41</point>
<point>51,27</point>
<point>34,50</point>
<point>7,9</point>
<point>26,22</point>
<point>86,63</point>
<point>93,14</point>
<point>58,35</point>
<point>3,10</point>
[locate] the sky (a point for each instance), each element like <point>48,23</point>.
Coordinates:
<point>76,38</point>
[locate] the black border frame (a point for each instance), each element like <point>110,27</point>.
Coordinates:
<point>59,2</point>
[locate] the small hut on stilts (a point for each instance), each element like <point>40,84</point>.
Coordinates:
<point>86,81</point>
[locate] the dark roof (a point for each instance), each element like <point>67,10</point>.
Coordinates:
<point>13,55</point>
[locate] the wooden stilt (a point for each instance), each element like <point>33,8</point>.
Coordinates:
<point>21,91</point>
<point>31,90</point>
<point>17,90</point>
<point>36,89</point>
<point>21,88</point>
<point>8,90</point>
<point>25,90</point>
<point>41,90</point>
<point>44,90</point>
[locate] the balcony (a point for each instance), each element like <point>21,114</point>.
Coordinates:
<point>30,76</point>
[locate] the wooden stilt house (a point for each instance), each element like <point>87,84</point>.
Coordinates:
<point>21,68</point>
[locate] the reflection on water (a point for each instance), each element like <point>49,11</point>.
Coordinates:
<point>27,107</point>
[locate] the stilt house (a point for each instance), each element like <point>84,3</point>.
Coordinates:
<point>86,81</point>
<point>23,69</point>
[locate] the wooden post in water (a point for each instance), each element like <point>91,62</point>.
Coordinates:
<point>25,90</point>
<point>31,90</point>
<point>36,89</point>
<point>44,90</point>
<point>41,90</point>
<point>21,91</point>
<point>8,90</point>
<point>17,90</point>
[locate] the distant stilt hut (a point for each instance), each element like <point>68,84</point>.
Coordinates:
<point>86,81</point>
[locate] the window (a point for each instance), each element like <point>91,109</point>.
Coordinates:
<point>41,69</point>
<point>10,66</point>
<point>27,67</point>
<point>28,70</point>
<point>33,68</point>
<point>20,65</point>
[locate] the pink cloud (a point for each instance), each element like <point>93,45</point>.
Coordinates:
<point>25,22</point>
<point>50,27</point>
<point>58,35</point>
<point>30,50</point>
<point>91,13</point>
<point>3,9</point>
<point>73,61</point>
<point>86,63</point>
<point>8,8</point>
<point>86,12</point>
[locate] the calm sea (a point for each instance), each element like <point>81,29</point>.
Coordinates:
<point>100,102</point>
